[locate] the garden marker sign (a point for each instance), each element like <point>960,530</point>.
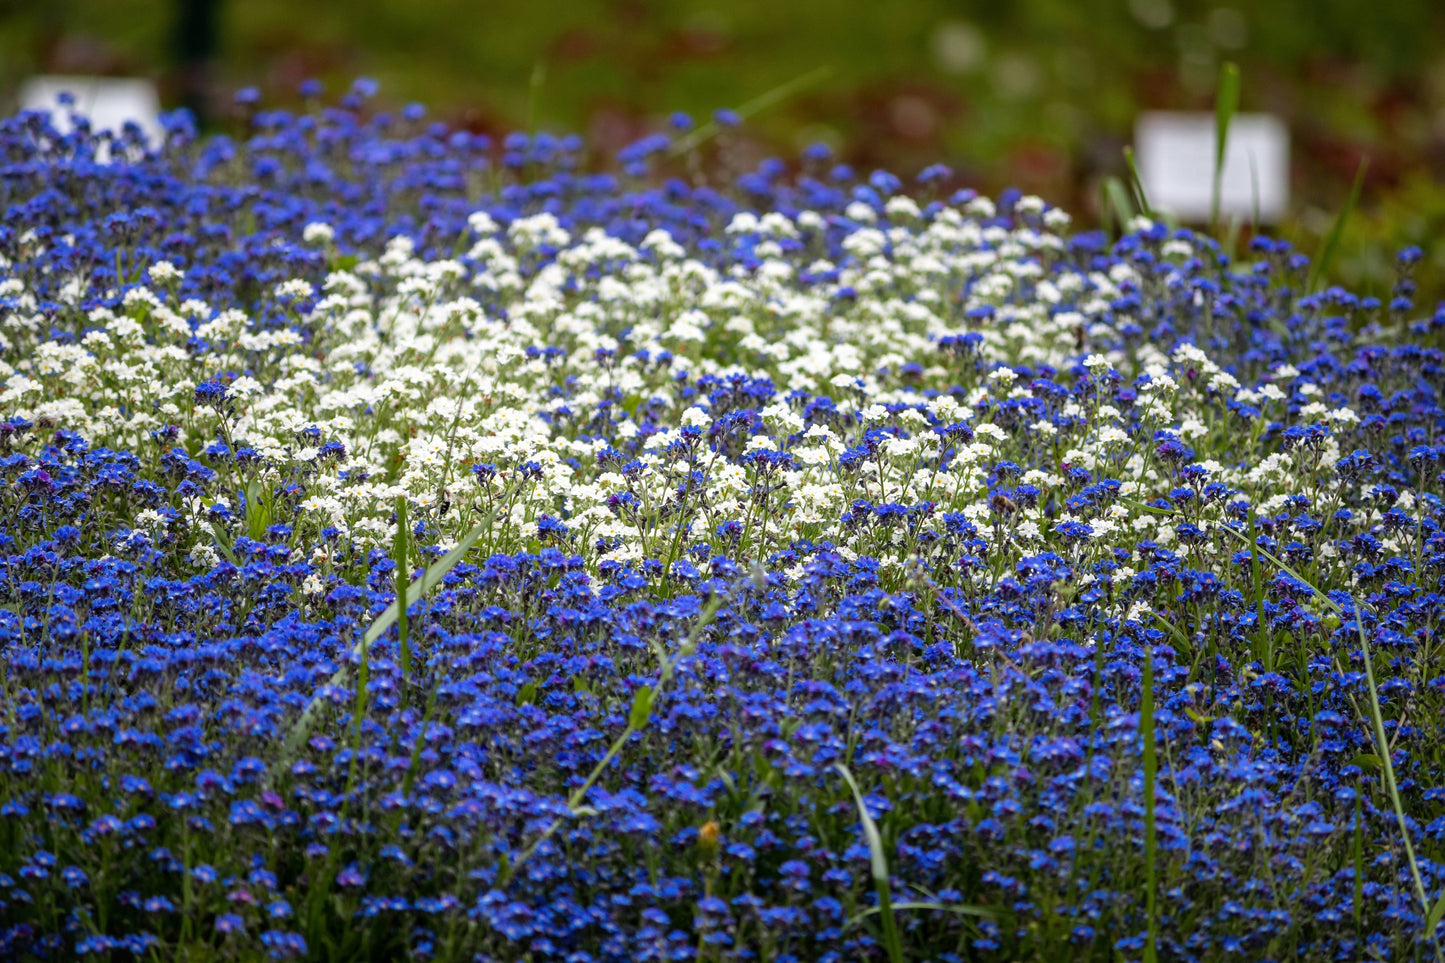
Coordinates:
<point>108,102</point>
<point>1176,154</point>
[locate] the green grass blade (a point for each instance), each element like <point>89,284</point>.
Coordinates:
<point>1137,183</point>
<point>1229,244</point>
<point>1332,240</point>
<point>961,909</point>
<point>429,580</point>
<point>1117,204</point>
<point>401,554</point>
<point>1151,765</point>
<point>1226,104</point>
<point>1379,726</point>
<point>1359,854</point>
<point>534,95</point>
<point>1261,631</point>
<point>1389,766</point>
<point>301,729</point>
<point>1253,192</point>
<point>1433,919</point>
<point>757,105</point>
<point>878,861</point>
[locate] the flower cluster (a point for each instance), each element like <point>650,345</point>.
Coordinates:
<point>750,491</point>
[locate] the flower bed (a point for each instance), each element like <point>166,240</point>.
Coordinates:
<point>743,497</point>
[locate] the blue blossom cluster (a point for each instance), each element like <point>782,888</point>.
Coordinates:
<point>709,503</point>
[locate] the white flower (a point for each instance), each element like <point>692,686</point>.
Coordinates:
<point>296,289</point>
<point>317,233</point>
<point>164,273</point>
<point>481,223</point>
<point>990,432</point>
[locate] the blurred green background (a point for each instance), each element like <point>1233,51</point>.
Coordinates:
<point>1038,94</point>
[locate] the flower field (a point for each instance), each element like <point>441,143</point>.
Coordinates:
<point>807,566</point>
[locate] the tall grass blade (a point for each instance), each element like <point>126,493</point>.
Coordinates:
<point>1226,104</point>
<point>879,864</point>
<point>301,729</point>
<point>1137,184</point>
<point>757,105</point>
<point>1389,769</point>
<point>401,553</point>
<point>1117,206</point>
<point>1381,739</point>
<point>638,718</point>
<point>534,95</point>
<point>1332,240</point>
<point>1432,920</point>
<point>1253,192</point>
<point>1230,242</point>
<point>1151,765</point>
<point>1359,855</point>
<point>962,909</point>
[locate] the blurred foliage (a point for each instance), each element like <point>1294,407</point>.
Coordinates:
<point>1039,94</point>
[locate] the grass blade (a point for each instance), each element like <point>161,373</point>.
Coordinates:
<point>757,105</point>
<point>1253,192</point>
<point>534,95</point>
<point>1151,765</point>
<point>1137,183</point>
<point>400,554</point>
<point>961,909</point>
<point>1117,204</point>
<point>638,718</point>
<point>879,865</point>
<point>1226,104</point>
<point>1433,919</point>
<point>1359,854</point>
<point>301,729</point>
<point>1378,721</point>
<point>1332,240</point>
<point>1389,767</point>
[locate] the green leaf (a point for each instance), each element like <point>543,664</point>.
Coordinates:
<point>1226,103</point>
<point>1198,718</point>
<point>1432,920</point>
<point>1332,240</point>
<point>258,515</point>
<point>223,542</point>
<point>641,709</point>
<point>1367,760</point>
<point>527,694</point>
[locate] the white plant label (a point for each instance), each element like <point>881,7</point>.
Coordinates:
<point>1175,152</point>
